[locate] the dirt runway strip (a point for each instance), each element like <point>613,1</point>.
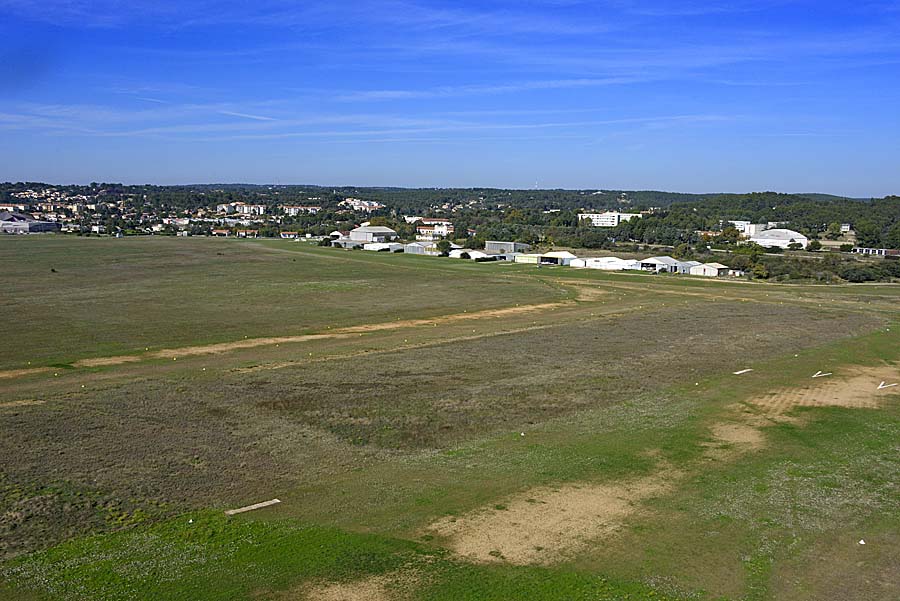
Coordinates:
<point>248,343</point>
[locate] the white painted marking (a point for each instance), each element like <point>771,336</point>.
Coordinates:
<point>252,507</point>
<point>819,374</point>
<point>882,386</point>
<point>743,371</point>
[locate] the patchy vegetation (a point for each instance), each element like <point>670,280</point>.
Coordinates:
<point>452,406</point>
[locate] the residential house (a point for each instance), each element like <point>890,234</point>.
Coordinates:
<point>243,208</point>
<point>877,252</point>
<point>362,206</point>
<point>294,210</point>
<point>435,230</point>
<point>748,229</point>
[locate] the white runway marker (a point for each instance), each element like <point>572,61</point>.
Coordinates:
<point>819,374</point>
<point>252,507</point>
<point>743,371</point>
<point>882,386</point>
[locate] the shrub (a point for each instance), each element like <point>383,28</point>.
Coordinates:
<point>855,273</point>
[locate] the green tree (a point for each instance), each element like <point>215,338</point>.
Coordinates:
<point>683,251</point>
<point>443,247</point>
<point>814,245</point>
<point>834,231</point>
<point>729,235</point>
<point>868,234</point>
<point>892,240</point>
<point>760,271</point>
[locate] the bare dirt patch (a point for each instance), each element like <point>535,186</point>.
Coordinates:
<point>22,403</point>
<point>104,361</point>
<point>731,439</point>
<point>538,525</point>
<point>370,589</point>
<point>858,390</point>
<point>19,373</point>
<point>385,587</point>
<point>486,314</point>
<point>590,293</point>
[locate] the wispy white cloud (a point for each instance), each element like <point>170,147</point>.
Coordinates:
<point>216,122</point>
<point>247,116</point>
<point>484,89</point>
<point>466,129</point>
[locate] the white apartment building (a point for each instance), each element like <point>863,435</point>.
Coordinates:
<point>608,218</point>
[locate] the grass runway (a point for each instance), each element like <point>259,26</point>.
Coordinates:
<point>416,415</point>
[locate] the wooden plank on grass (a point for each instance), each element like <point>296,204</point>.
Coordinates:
<point>252,507</point>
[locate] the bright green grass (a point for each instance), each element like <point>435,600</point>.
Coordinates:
<point>205,556</point>
<point>208,556</point>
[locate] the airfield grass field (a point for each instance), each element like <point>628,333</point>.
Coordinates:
<point>436,429</point>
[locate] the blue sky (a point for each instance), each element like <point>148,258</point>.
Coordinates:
<point>684,96</point>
